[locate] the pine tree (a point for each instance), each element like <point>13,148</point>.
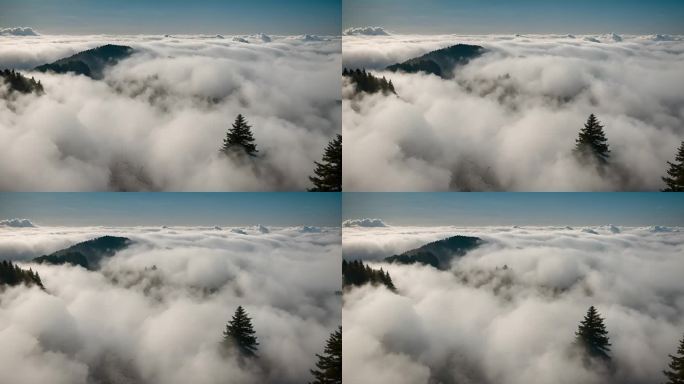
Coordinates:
<point>591,143</point>
<point>240,334</point>
<point>329,366</point>
<point>239,138</point>
<point>592,335</point>
<point>329,171</point>
<point>675,178</point>
<point>676,373</point>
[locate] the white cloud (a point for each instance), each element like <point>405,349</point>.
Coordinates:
<point>509,119</point>
<point>130,322</point>
<point>158,119</point>
<point>367,31</point>
<point>366,222</point>
<point>481,323</point>
<point>18,31</point>
<point>18,223</point>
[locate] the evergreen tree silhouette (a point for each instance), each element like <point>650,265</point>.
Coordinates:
<point>592,142</point>
<point>329,366</point>
<point>329,171</point>
<point>675,374</point>
<point>239,138</point>
<point>355,273</point>
<point>240,334</point>
<point>675,178</point>
<point>592,335</point>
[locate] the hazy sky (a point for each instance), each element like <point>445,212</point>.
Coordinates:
<point>475,209</point>
<point>173,16</point>
<point>129,209</point>
<point>520,16</point>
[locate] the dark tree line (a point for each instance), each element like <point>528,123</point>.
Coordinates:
<point>11,274</point>
<point>240,336</point>
<point>355,273</point>
<point>366,82</point>
<point>239,143</point>
<point>19,83</point>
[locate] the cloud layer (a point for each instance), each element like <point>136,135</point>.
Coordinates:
<point>158,119</point>
<point>507,311</point>
<point>509,119</point>
<point>155,312</point>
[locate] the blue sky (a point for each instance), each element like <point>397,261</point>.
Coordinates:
<point>289,17</point>
<point>481,209</point>
<point>518,16</point>
<point>130,209</point>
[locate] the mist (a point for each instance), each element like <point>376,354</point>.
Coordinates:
<point>507,311</point>
<point>157,120</point>
<point>155,312</point>
<point>508,119</point>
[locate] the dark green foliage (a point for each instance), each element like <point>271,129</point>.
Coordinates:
<point>11,274</point>
<point>355,273</point>
<point>438,253</point>
<point>240,335</point>
<point>366,82</point>
<point>591,145</point>
<point>441,62</point>
<point>675,178</point>
<point>91,63</point>
<point>329,366</point>
<point>329,171</point>
<point>87,254</point>
<point>19,83</point>
<point>675,374</point>
<point>592,335</point>
<point>239,139</point>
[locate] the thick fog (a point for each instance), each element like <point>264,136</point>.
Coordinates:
<point>507,311</point>
<point>508,120</point>
<point>156,311</point>
<point>158,119</point>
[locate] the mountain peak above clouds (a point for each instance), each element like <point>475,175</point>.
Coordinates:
<point>441,62</point>
<point>91,63</point>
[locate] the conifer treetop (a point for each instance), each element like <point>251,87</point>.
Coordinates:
<point>674,180</point>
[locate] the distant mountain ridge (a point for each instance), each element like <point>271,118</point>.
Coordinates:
<point>438,254</point>
<point>91,63</point>
<point>87,254</point>
<point>441,62</point>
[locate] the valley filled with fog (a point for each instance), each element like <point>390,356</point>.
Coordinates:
<point>508,119</point>
<point>507,311</point>
<point>157,119</point>
<point>155,311</point>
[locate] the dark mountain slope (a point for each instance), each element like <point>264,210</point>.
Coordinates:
<point>441,62</point>
<point>91,63</point>
<point>87,254</point>
<point>438,253</point>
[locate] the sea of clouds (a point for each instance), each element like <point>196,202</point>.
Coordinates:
<point>157,119</point>
<point>507,311</point>
<point>133,323</point>
<point>509,119</point>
